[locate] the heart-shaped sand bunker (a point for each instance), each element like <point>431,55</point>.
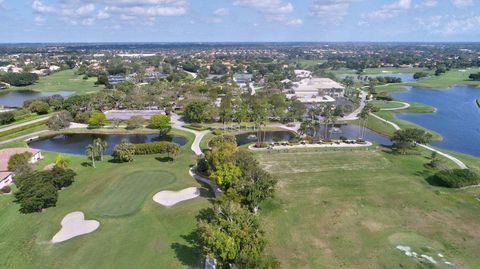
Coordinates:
<point>170,198</point>
<point>74,224</point>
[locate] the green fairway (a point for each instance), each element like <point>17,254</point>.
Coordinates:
<point>352,208</point>
<point>65,80</point>
<point>448,79</point>
<point>370,71</point>
<point>118,199</point>
<point>146,235</point>
<point>387,104</point>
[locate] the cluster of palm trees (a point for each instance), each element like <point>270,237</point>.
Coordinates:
<point>312,125</point>
<point>96,150</point>
<point>369,108</point>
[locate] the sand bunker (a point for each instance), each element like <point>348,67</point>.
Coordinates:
<point>74,224</point>
<point>170,198</point>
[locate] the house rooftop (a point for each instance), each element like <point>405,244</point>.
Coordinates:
<point>5,155</point>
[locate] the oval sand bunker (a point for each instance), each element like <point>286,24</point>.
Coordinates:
<point>170,198</point>
<point>74,224</point>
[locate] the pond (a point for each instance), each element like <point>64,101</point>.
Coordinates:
<point>406,77</point>
<point>16,98</point>
<point>349,131</point>
<point>76,143</point>
<point>269,136</point>
<point>457,117</point>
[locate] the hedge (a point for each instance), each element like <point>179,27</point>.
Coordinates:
<point>196,127</point>
<point>22,128</point>
<point>152,148</point>
<point>25,116</point>
<point>457,178</point>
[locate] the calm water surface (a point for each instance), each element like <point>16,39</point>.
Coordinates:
<point>76,143</point>
<point>406,77</point>
<point>349,131</point>
<point>16,98</point>
<point>457,117</point>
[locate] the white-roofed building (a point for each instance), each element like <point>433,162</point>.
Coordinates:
<point>316,90</point>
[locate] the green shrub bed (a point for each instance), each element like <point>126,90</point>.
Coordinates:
<point>196,127</point>
<point>152,148</point>
<point>25,116</point>
<point>22,128</point>
<point>457,178</point>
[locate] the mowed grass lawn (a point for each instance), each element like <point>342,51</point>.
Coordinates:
<point>135,232</point>
<point>351,208</point>
<point>65,80</point>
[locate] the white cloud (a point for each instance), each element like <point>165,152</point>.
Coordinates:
<point>222,12</point>
<point>87,11</point>
<point>462,3</point>
<point>427,4</point>
<point>389,11</point>
<point>330,11</point>
<point>449,25</point>
<point>295,22</point>
<point>39,20</point>
<point>274,10</point>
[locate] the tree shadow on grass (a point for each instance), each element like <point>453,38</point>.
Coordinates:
<point>86,164</point>
<point>164,159</point>
<point>189,254</point>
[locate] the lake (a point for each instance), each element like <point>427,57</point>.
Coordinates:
<point>76,143</point>
<point>16,98</point>
<point>349,131</point>
<point>457,117</point>
<point>406,77</point>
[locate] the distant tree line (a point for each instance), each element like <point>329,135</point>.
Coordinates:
<point>19,79</point>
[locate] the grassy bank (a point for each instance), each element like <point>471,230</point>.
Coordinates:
<point>135,232</point>
<point>370,71</point>
<point>351,208</point>
<point>65,80</point>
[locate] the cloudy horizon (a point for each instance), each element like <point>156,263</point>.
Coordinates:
<point>239,21</point>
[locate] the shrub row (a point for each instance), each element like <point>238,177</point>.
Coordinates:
<point>25,116</point>
<point>152,148</point>
<point>6,189</point>
<point>384,98</point>
<point>457,178</point>
<point>22,128</point>
<point>196,127</point>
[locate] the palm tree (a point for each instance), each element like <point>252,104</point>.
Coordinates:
<point>92,152</point>
<point>101,146</point>
<point>316,127</point>
<point>326,118</point>
<point>61,161</point>
<point>304,126</point>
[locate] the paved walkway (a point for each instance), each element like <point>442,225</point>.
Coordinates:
<point>307,146</point>
<point>177,123</point>
<point>453,159</point>
<point>13,126</point>
<point>23,137</point>
<point>405,106</point>
<point>356,112</point>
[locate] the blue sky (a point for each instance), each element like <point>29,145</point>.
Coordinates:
<point>238,20</point>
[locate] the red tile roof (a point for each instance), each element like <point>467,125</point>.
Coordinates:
<point>4,175</point>
<point>5,155</point>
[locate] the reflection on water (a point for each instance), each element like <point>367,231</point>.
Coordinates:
<point>16,98</point>
<point>76,143</point>
<point>350,131</point>
<point>406,77</point>
<point>457,117</point>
